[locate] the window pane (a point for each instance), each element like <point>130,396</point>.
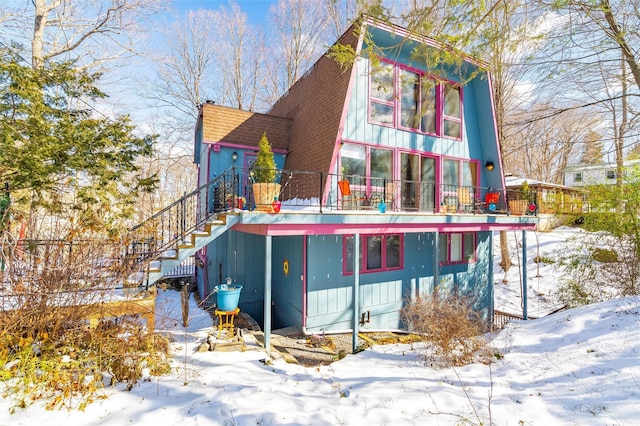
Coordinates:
<point>452,101</point>
<point>374,252</point>
<point>428,106</point>
<point>469,173</point>
<point>456,248</point>
<point>382,82</point>
<point>393,251</point>
<point>353,159</point>
<point>381,163</point>
<point>410,90</point>
<point>381,113</point>
<point>450,172</point>
<point>443,248</point>
<point>348,258</point>
<point>469,246</point>
<point>452,129</point>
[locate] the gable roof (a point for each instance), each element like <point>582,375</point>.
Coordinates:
<point>316,103</point>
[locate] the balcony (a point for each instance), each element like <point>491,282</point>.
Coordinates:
<point>352,193</point>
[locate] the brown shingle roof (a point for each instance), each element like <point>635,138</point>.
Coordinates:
<point>315,103</point>
<point>231,125</point>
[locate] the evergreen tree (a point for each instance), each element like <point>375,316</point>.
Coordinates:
<point>264,169</point>
<point>57,153</point>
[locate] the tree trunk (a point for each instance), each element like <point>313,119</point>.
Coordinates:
<point>505,261</point>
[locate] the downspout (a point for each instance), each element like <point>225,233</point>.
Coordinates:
<point>304,285</point>
<point>524,274</point>
<point>356,290</point>
<point>436,256</point>
<point>490,279</point>
<point>267,295</point>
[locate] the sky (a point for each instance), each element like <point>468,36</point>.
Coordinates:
<point>576,367</point>
<point>256,10</point>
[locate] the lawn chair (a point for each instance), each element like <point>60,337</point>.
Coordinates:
<point>465,200</point>
<point>348,198</point>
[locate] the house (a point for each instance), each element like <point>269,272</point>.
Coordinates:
<point>582,175</point>
<point>391,185</point>
<point>552,203</point>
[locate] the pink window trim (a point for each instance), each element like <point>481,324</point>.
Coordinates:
<point>459,262</point>
<point>363,269</point>
<point>440,117</point>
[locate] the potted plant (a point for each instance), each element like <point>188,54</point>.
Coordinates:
<point>264,174</point>
<point>520,205</point>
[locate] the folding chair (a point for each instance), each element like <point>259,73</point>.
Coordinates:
<point>465,199</point>
<point>348,198</point>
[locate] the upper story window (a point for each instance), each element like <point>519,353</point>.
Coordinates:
<point>610,174</point>
<point>404,98</point>
<point>577,177</point>
<point>456,247</point>
<point>382,103</point>
<point>378,252</point>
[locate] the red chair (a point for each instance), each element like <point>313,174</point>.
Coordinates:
<point>348,198</point>
<point>491,201</point>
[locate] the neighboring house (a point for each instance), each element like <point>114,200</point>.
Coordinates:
<point>422,141</point>
<point>582,175</point>
<point>549,198</point>
<point>551,202</point>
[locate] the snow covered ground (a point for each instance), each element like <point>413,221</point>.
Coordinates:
<point>576,367</point>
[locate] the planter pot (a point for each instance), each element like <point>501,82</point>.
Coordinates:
<point>228,296</point>
<point>264,194</point>
<point>518,207</point>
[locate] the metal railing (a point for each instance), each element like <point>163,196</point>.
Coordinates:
<point>320,192</point>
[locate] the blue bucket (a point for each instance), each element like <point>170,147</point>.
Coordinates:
<point>228,296</point>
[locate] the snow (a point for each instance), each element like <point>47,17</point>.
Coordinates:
<point>575,367</point>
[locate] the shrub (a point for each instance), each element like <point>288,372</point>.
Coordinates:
<point>452,331</point>
<point>48,350</point>
<point>264,168</point>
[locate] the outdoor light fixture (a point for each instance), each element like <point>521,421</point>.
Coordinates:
<point>234,156</point>
<point>489,165</point>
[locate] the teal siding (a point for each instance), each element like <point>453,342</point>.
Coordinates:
<point>241,257</point>
<point>287,289</point>
<point>329,292</point>
<point>479,140</point>
<point>472,279</point>
<point>382,295</point>
<point>357,127</point>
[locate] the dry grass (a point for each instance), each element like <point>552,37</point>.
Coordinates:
<point>48,350</point>
<point>451,330</point>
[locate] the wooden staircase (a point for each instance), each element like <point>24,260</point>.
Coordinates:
<point>187,247</point>
<point>160,243</point>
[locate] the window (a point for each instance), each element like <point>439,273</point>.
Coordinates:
<point>456,247</point>
<point>378,252</point>
<point>368,169</point>
<point>422,104</point>
<point>577,177</point>
<point>382,94</point>
<point>452,122</point>
<point>610,174</point>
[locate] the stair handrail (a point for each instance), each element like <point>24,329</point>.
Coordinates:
<point>170,226</point>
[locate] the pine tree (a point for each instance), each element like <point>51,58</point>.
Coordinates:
<point>59,154</point>
<point>264,169</point>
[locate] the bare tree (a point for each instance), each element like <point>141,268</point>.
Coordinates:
<point>599,53</point>
<point>241,57</point>
<point>300,29</point>
<point>65,29</point>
